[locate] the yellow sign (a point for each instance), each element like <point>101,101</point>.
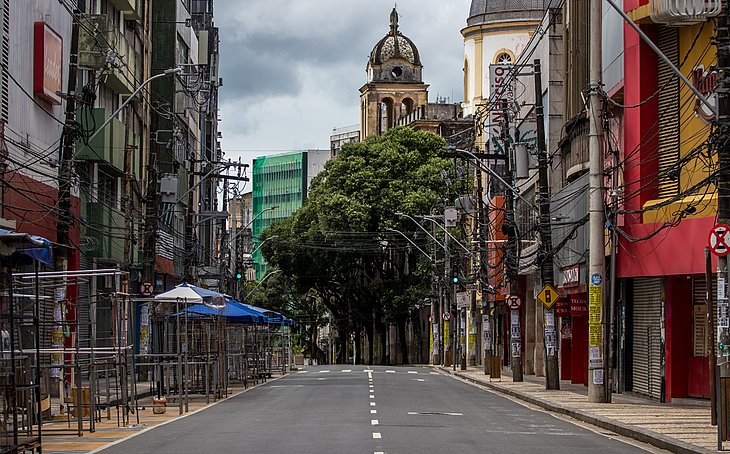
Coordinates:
<point>548,296</point>
<point>595,304</point>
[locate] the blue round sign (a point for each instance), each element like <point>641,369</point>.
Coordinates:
<point>596,279</point>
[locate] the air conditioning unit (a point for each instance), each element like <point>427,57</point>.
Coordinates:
<point>683,12</point>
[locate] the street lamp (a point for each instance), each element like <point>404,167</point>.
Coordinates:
<point>259,283</point>
<point>414,244</point>
<point>271,208</point>
<point>478,162</point>
<point>421,227</point>
<point>166,72</point>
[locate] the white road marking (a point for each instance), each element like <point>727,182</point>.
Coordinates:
<point>418,379</point>
<point>370,386</point>
<point>370,374</point>
<point>439,413</point>
<point>434,373</point>
<point>302,371</point>
<point>378,452</point>
<point>412,371</point>
<point>376,435</point>
<point>372,404</point>
<point>368,370</point>
<point>323,371</point>
<point>286,386</point>
<point>321,379</point>
<point>372,396</point>
<point>373,412</point>
<point>346,370</point>
<point>389,371</point>
<point>374,422</point>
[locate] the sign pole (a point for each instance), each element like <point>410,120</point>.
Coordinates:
<point>515,304</point>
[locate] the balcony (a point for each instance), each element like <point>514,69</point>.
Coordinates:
<point>132,9</point>
<point>108,147</point>
<point>683,12</point>
<point>103,233</point>
<point>104,47</point>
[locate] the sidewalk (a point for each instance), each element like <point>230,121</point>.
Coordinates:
<point>676,428</point>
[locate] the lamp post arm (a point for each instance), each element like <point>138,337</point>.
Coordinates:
<point>450,236</point>
<point>410,241</point>
<point>421,227</point>
<point>259,283</point>
<point>129,99</point>
<point>496,175</point>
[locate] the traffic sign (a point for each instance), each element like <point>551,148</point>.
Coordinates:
<point>720,240</point>
<point>145,288</point>
<point>447,316</point>
<point>514,302</point>
<point>548,296</point>
<point>430,318</point>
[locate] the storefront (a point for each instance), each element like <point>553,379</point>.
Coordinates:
<point>572,308</point>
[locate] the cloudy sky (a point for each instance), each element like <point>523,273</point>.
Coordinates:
<point>292,69</point>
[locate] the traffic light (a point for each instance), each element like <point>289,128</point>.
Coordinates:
<point>455,279</point>
<point>239,276</point>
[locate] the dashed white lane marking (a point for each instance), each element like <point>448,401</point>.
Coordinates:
<point>412,371</point>
<point>302,371</point>
<point>323,371</point>
<point>378,452</point>
<point>389,371</point>
<point>376,435</point>
<point>372,404</point>
<point>374,422</point>
<point>368,370</point>
<point>372,396</point>
<point>346,371</point>
<point>434,373</point>
<point>440,413</point>
<point>321,379</point>
<point>418,379</point>
<point>373,412</point>
<point>370,375</point>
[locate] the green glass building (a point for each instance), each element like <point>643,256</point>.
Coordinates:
<point>280,184</point>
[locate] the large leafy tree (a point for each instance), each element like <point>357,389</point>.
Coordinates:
<point>339,244</point>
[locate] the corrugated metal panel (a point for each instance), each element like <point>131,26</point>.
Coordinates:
<point>668,98</point>
<point>646,340</point>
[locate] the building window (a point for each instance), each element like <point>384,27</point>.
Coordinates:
<point>504,57</point>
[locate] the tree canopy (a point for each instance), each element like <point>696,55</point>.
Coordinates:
<point>339,246</point>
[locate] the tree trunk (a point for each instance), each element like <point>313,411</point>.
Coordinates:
<point>371,342</point>
<point>358,344</point>
<point>401,327</point>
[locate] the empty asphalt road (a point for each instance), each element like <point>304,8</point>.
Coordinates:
<point>370,410</point>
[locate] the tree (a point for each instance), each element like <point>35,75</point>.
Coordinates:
<point>338,244</point>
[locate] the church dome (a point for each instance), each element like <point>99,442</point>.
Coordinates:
<point>394,46</point>
<point>493,11</point>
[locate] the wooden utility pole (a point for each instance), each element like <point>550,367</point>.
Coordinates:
<point>552,371</point>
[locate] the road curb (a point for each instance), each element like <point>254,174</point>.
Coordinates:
<point>626,430</point>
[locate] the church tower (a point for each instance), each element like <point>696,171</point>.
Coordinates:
<point>395,86</point>
<point>496,32</point>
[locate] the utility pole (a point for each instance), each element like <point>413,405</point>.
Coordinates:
<point>66,169</point>
<point>552,371</point>
<point>597,257</point>
<point>151,207</point>
<point>482,219</point>
<point>512,258</point>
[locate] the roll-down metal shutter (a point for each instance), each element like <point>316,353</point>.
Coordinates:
<point>668,152</point>
<point>646,340</point>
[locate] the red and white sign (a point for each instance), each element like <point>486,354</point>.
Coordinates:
<point>446,316</point>
<point>578,306</point>
<point>514,302</point>
<point>47,63</point>
<point>720,240</point>
<point>145,288</point>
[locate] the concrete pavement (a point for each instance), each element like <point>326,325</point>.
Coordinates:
<point>677,428</point>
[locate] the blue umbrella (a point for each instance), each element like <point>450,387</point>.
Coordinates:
<point>232,310</point>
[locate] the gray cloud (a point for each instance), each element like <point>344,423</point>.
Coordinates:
<point>292,70</point>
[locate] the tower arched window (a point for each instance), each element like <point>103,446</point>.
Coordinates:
<point>503,58</point>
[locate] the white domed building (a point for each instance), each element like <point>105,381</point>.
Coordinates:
<point>497,31</point>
